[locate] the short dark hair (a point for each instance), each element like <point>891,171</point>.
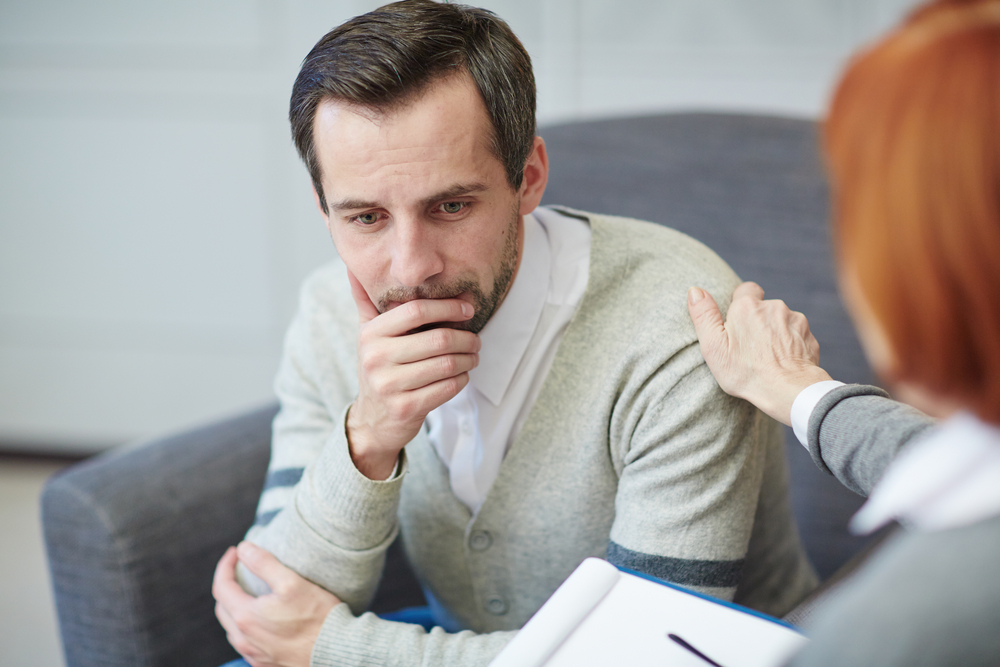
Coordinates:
<point>383,59</point>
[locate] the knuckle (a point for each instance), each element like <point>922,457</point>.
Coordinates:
<point>240,617</point>
<point>365,337</point>
<point>406,409</point>
<point>452,385</point>
<point>449,365</point>
<point>242,646</point>
<point>370,361</point>
<point>377,383</point>
<point>440,339</point>
<point>414,310</point>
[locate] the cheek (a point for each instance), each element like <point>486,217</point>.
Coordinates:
<point>359,261</point>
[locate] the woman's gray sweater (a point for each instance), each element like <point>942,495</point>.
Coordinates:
<point>924,598</point>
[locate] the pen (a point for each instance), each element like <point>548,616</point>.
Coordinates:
<point>698,653</point>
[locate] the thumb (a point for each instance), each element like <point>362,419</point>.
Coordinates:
<point>708,322</point>
<point>265,566</point>
<point>366,309</point>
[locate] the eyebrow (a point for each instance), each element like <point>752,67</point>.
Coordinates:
<point>459,190</point>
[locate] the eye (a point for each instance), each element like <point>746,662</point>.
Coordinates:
<point>369,218</point>
<point>453,207</point>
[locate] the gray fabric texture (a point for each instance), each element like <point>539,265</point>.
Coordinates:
<point>855,431</point>
<point>923,599</point>
<point>630,443</point>
<point>754,191</point>
<point>750,187</point>
<point>133,539</point>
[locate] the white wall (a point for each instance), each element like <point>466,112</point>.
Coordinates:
<point>155,221</point>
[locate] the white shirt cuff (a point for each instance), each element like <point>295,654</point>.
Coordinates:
<point>805,403</point>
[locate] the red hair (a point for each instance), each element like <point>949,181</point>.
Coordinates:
<point>913,143</point>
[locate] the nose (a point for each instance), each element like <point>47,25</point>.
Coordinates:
<point>416,257</point>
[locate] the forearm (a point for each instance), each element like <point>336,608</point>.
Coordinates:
<point>855,431</point>
<point>369,640</point>
<point>334,524</point>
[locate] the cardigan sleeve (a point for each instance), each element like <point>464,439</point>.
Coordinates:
<point>317,514</point>
<point>691,461</point>
<point>345,640</point>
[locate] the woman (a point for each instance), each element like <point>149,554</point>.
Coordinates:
<point>913,144</point>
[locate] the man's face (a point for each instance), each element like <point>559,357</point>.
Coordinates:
<point>419,207</point>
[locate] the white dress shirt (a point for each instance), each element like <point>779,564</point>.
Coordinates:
<point>949,477</point>
<point>473,431</point>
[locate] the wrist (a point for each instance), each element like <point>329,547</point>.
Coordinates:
<point>776,398</point>
<point>370,457</point>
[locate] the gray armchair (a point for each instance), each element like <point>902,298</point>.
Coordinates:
<point>133,536</point>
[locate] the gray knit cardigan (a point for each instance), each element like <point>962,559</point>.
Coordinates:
<point>631,452</point>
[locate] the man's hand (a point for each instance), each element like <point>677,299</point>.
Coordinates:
<point>763,352</point>
<point>402,376</point>
<point>278,629</point>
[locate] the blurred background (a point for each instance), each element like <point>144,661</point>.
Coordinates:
<point>155,222</point>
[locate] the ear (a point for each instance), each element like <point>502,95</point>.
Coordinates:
<point>536,177</point>
<point>319,207</point>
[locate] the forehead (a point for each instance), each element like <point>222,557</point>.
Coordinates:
<point>440,136</point>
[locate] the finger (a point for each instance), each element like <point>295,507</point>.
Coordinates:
<point>366,309</point>
<point>234,635</point>
<point>749,289</point>
<point>226,620</point>
<point>708,323</point>
<point>429,344</point>
<point>435,394</point>
<point>263,564</point>
<point>225,589</point>
<point>419,374</point>
<point>418,313</point>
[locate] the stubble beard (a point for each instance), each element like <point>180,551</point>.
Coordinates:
<point>485,305</point>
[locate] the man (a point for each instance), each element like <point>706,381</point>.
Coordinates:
<point>524,388</point>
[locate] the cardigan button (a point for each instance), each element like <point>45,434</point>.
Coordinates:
<point>496,606</point>
<point>480,540</point>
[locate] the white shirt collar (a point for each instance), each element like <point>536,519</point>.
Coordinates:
<point>947,479</point>
<point>506,336</point>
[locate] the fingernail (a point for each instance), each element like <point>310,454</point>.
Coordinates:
<point>467,309</point>
<point>695,294</point>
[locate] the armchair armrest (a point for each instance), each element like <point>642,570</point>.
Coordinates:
<point>133,538</point>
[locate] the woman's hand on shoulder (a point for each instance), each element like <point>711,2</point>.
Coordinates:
<point>762,352</point>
